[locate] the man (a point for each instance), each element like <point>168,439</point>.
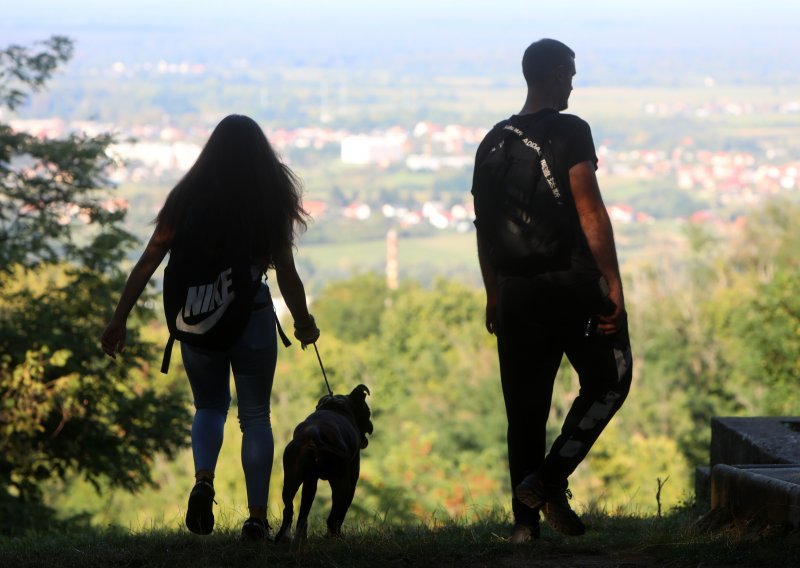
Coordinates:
<point>571,303</point>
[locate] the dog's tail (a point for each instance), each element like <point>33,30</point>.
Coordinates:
<point>320,453</point>
<point>320,450</point>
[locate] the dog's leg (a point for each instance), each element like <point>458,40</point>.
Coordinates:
<point>343,488</point>
<point>306,499</point>
<point>292,478</point>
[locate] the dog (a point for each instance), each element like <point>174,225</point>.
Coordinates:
<point>327,445</point>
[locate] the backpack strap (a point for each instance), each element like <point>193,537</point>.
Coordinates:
<point>533,146</point>
<point>281,333</point>
<point>284,339</point>
<point>167,354</point>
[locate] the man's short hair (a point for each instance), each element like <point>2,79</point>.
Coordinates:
<point>543,57</point>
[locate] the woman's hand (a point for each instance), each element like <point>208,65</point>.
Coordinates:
<point>113,338</point>
<point>306,332</point>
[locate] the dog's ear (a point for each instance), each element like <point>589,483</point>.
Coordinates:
<point>360,393</point>
<point>362,413</point>
<point>367,430</point>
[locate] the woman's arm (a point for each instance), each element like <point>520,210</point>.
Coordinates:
<point>294,294</point>
<point>113,338</point>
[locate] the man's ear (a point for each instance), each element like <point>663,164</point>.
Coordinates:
<point>562,73</point>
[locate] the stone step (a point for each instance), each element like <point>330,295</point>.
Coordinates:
<point>748,440</point>
<point>756,440</point>
<point>702,485</point>
<point>766,493</point>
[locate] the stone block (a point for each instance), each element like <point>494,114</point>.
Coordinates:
<point>769,494</point>
<point>755,440</point>
<point>702,486</point>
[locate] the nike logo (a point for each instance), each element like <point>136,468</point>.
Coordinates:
<point>213,299</point>
<point>204,325</point>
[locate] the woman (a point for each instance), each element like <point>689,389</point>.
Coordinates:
<point>236,196</point>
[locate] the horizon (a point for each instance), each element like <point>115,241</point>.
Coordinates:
<point>617,43</point>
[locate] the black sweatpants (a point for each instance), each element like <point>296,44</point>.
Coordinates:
<point>536,325</point>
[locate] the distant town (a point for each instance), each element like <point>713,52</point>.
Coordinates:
<point>151,154</point>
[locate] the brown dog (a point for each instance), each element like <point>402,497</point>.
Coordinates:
<point>327,445</point>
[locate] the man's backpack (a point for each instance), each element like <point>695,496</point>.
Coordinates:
<point>208,298</point>
<point>520,210</point>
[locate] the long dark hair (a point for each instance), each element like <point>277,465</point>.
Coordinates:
<point>238,193</point>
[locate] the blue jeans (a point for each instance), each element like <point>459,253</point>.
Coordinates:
<point>252,359</point>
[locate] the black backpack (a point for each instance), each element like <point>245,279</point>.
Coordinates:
<point>520,210</point>
<point>208,298</point>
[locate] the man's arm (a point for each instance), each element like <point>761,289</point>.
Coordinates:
<point>489,282</point>
<point>483,210</point>
<point>596,226</point>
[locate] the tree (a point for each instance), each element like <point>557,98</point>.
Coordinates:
<point>718,327</point>
<point>48,184</point>
<point>66,408</point>
<point>352,309</point>
<point>762,313</point>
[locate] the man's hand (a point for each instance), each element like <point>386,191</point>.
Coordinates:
<point>491,315</point>
<point>613,322</point>
<point>113,338</point>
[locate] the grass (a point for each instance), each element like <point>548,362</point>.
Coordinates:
<point>674,540</point>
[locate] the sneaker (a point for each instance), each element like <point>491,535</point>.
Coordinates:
<point>199,514</point>
<point>554,503</point>
<point>254,530</point>
<point>523,533</point>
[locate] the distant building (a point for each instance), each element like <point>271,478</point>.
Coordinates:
<point>704,216</point>
<point>315,208</point>
<point>362,150</point>
<point>161,156</point>
<point>417,162</point>
<point>357,210</point>
<point>436,215</point>
<point>459,212</point>
<point>409,218</point>
<point>621,213</point>
<point>40,127</point>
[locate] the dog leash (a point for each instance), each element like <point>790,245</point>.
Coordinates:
<point>324,376</point>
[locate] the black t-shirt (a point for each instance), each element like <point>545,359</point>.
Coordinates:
<point>571,144</point>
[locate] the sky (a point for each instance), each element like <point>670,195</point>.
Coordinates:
<point>337,11</point>
<point>350,32</point>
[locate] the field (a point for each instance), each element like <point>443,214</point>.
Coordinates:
<point>422,259</point>
<point>454,255</point>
